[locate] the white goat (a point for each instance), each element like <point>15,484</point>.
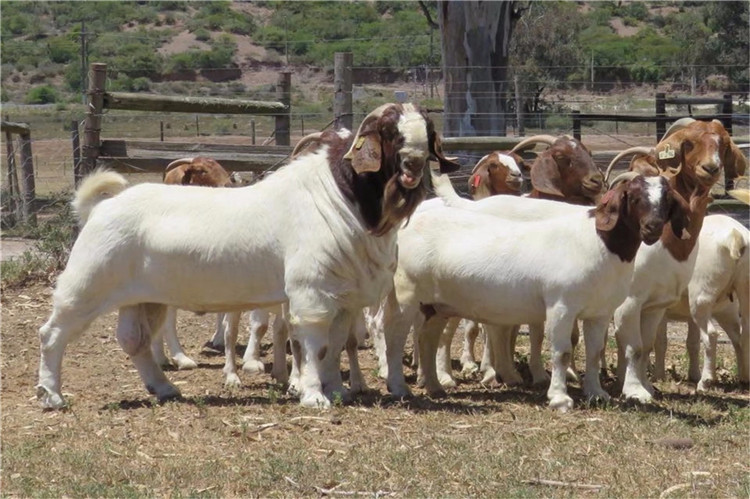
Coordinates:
<point>719,288</point>
<point>455,262</point>
<point>319,234</point>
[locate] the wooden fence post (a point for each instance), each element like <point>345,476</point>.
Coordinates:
<point>519,106</point>
<point>29,185</point>
<point>576,115</point>
<point>77,173</point>
<point>252,131</point>
<point>12,180</point>
<point>284,120</point>
<point>726,110</point>
<point>661,112</point>
<point>93,126</point>
<point>342,90</point>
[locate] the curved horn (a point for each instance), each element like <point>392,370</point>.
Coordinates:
<point>304,142</point>
<point>174,164</point>
<point>622,178</point>
<point>678,125</point>
<point>376,113</point>
<point>534,139</point>
<point>626,152</point>
<point>474,170</point>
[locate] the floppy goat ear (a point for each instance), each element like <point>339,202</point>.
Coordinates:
<point>366,152</point>
<point>670,154</point>
<point>607,212</point>
<point>447,164</point>
<point>481,176</point>
<point>678,215</point>
<point>545,175</point>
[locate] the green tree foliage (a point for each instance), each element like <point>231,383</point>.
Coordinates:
<point>43,94</point>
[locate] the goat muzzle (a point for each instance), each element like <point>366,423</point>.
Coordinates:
<point>409,180</point>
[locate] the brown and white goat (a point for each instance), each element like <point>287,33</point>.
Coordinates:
<point>497,173</point>
<point>692,157</point>
<point>199,171</point>
<point>565,171</point>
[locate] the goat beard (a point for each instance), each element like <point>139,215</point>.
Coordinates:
<point>398,204</point>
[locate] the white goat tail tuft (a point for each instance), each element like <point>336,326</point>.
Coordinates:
<point>100,185</point>
<point>447,193</point>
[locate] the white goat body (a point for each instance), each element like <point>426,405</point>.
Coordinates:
<point>291,237</point>
<point>719,288</point>
<point>463,263</point>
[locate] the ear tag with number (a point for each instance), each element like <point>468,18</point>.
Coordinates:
<point>667,153</point>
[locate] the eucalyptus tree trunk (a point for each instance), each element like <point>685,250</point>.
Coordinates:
<point>475,44</point>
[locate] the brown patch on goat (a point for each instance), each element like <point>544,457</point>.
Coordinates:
<point>624,213</point>
<point>490,176</point>
<point>383,202</point>
<point>201,171</point>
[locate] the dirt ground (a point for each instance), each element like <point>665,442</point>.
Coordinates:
<point>115,441</point>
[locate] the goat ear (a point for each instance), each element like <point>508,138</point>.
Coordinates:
<point>607,212</point>
<point>735,163</point>
<point>545,175</point>
<point>447,165</point>
<point>670,154</point>
<point>678,215</point>
<point>479,177</point>
<point>366,153</point>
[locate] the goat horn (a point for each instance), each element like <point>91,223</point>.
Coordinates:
<point>626,152</point>
<point>376,113</point>
<point>535,139</point>
<point>304,142</point>
<point>678,125</point>
<point>174,164</point>
<point>622,178</point>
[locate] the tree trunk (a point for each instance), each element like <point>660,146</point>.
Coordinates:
<point>475,43</point>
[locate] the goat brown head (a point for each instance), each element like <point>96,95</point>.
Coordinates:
<point>564,170</point>
<point>499,172</point>
<point>702,149</point>
<point>401,138</point>
<point>638,206</point>
<point>198,171</point>
<point>383,168</point>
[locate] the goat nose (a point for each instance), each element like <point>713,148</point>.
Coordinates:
<point>711,168</point>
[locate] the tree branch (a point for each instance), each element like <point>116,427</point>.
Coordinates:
<point>426,13</point>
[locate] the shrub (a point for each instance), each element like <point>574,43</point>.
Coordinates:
<point>202,34</point>
<point>44,94</point>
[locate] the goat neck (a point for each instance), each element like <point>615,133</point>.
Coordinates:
<point>696,198</point>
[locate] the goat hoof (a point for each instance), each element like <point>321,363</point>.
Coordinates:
<point>214,346</point>
<point>49,399</point>
<point>447,381</point>
<point>253,367</point>
<point>400,391</point>
<point>437,393</point>
<point>185,363</point>
<point>315,400</point>
<point>469,368</point>
<point>167,392</point>
<point>512,378</point>
<point>597,395</point>
<point>489,377</point>
<point>704,385</point>
<point>232,381</point>
<point>638,394</point>
<point>562,403</point>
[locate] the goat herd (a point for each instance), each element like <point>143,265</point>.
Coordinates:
<point>341,242</point>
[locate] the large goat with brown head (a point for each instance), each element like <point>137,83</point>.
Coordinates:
<point>563,172</point>
<point>201,171</point>
<point>497,173</point>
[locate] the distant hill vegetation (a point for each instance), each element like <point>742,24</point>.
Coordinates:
<point>555,44</point>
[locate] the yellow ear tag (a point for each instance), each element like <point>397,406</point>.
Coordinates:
<point>667,153</point>
<point>360,142</point>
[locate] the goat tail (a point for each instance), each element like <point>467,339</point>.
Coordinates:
<point>444,189</point>
<point>100,185</point>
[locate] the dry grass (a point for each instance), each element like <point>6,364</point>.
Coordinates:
<point>114,441</point>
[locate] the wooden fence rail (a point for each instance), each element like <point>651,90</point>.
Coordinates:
<point>21,197</point>
<point>141,156</point>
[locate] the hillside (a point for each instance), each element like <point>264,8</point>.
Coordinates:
<point>179,47</point>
